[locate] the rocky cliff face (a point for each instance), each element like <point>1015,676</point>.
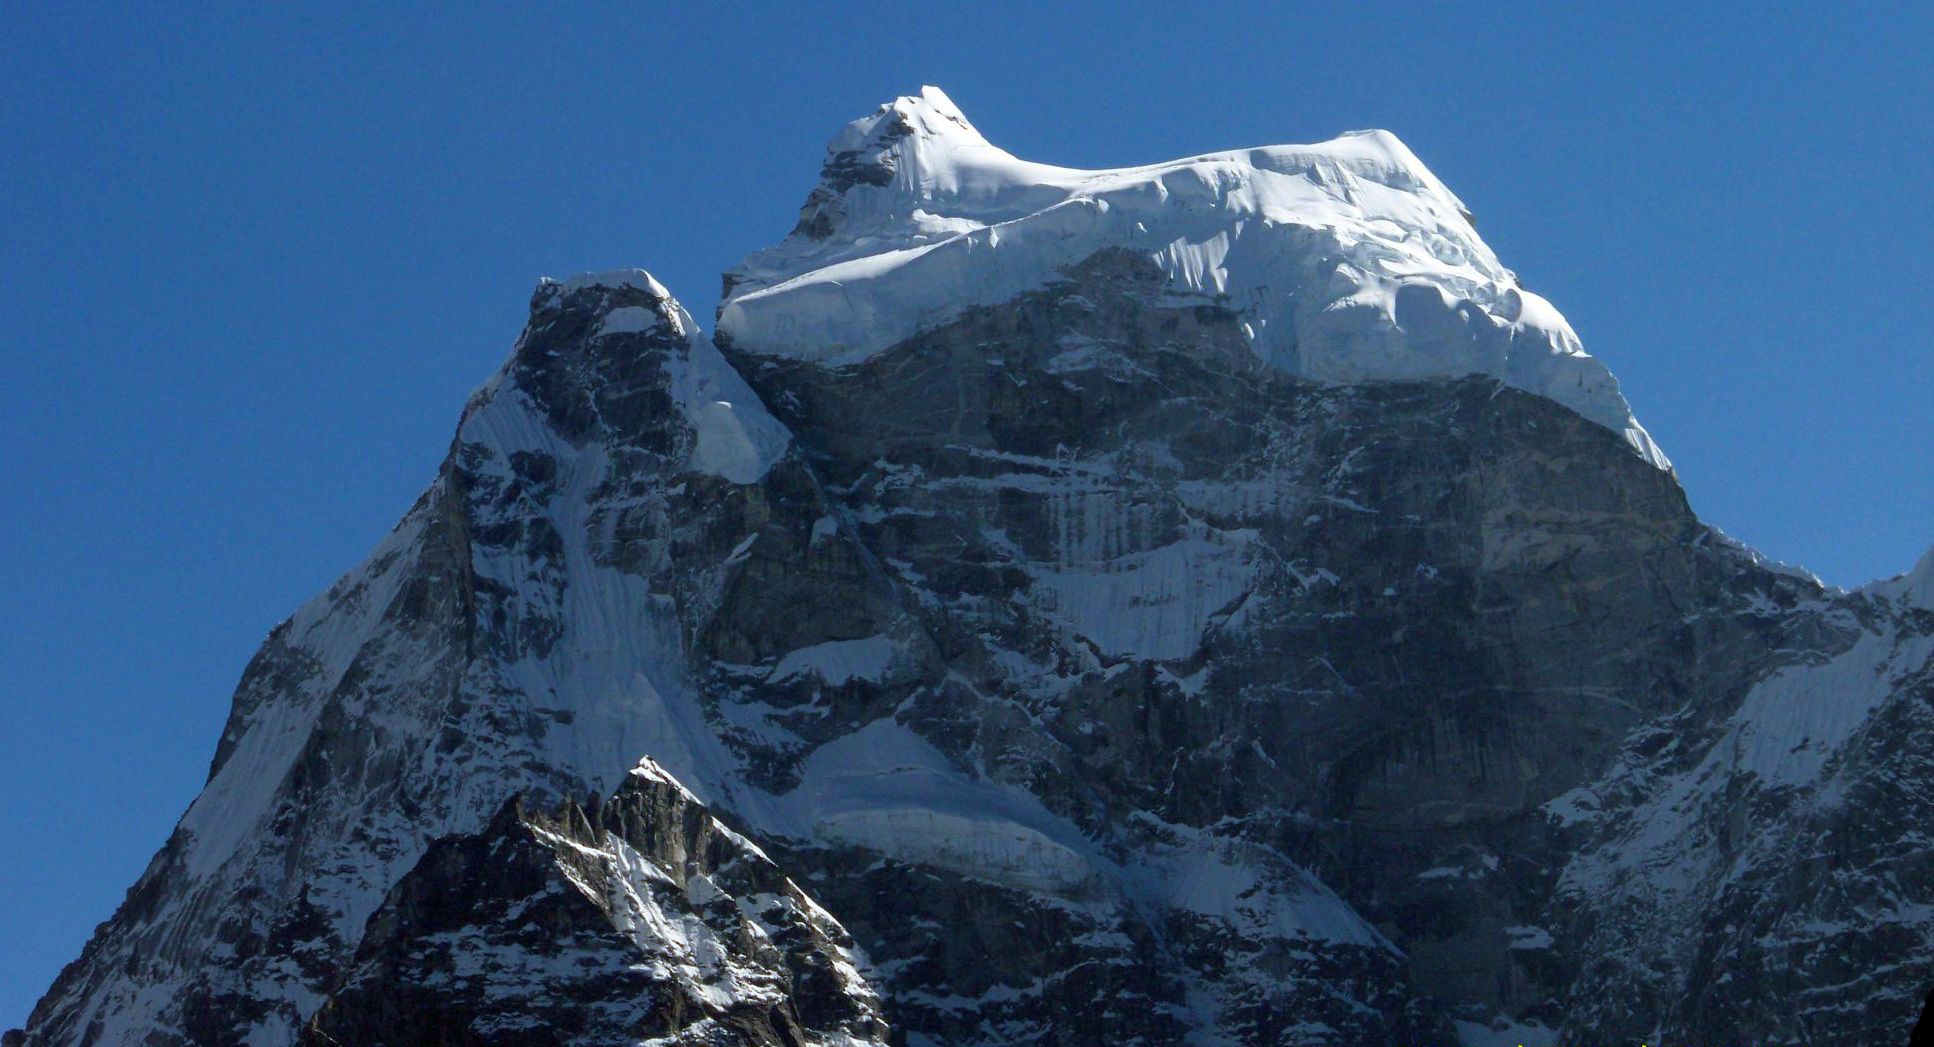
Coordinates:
<point>1445,648</point>
<point>1082,662</point>
<point>638,919</point>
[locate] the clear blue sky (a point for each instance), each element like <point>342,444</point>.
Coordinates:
<point>254,261</point>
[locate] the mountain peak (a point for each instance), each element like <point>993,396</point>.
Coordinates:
<point>927,115</point>
<point>600,329</point>
<point>900,159</point>
<point>1344,261</point>
<point>614,279</point>
<point>640,300</point>
<point>1103,685</point>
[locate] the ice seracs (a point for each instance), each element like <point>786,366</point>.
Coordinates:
<point>1348,260</point>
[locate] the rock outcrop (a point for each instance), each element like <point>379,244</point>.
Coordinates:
<point>638,919</point>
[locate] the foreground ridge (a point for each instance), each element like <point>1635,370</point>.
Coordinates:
<point>638,919</point>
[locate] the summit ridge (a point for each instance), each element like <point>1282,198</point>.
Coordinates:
<point>1347,260</point>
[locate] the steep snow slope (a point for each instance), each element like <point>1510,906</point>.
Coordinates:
<point>1348,261</point>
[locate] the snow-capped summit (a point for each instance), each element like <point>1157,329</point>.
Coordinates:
<point>1348,260</point>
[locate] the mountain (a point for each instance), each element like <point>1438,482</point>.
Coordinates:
<point>1205,603</point>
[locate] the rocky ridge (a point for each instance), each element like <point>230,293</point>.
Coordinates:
<point>637,920</point>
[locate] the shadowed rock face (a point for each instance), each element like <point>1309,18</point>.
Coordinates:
<point>1373,630</point>
<point>1108,686</point>
<point>641,919</point>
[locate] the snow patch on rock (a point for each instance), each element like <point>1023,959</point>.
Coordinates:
<point>886,790</point>
<point>838,662</point>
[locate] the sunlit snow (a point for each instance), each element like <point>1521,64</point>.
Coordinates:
<point>1347,260</point>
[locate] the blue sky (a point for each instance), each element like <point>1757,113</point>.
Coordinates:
<point>254,260</point>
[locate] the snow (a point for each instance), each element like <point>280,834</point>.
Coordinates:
<point>651,770</point>
<point>1759,559</point>
<point>1257,893</point>
<point>1154,604</point>
<point>681,945</point>
<point>965,842</point>
<point>886,790</point>
<point>611,279</point>
<point>1796,719</point>
<point>1504,1032</point>
<point>1116,576</point>
<point>1571,807</point>
<point>630,319</point>
<point>1914,589</point>
<point>1789,736</point>
<point>1348,260</point>
<point>619,664</point>
<point>615,673</point>
<point>735,437</point>
<point>838,662</point>
<point>617,677</point>
<point>332,626</point>
<point>742,550</point>
<point>1528,937</point>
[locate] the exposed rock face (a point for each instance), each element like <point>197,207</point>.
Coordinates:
<point>639,920</point>
<point>1741,854</point>
<point>1395,635</point>
<point>1108,681</point>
